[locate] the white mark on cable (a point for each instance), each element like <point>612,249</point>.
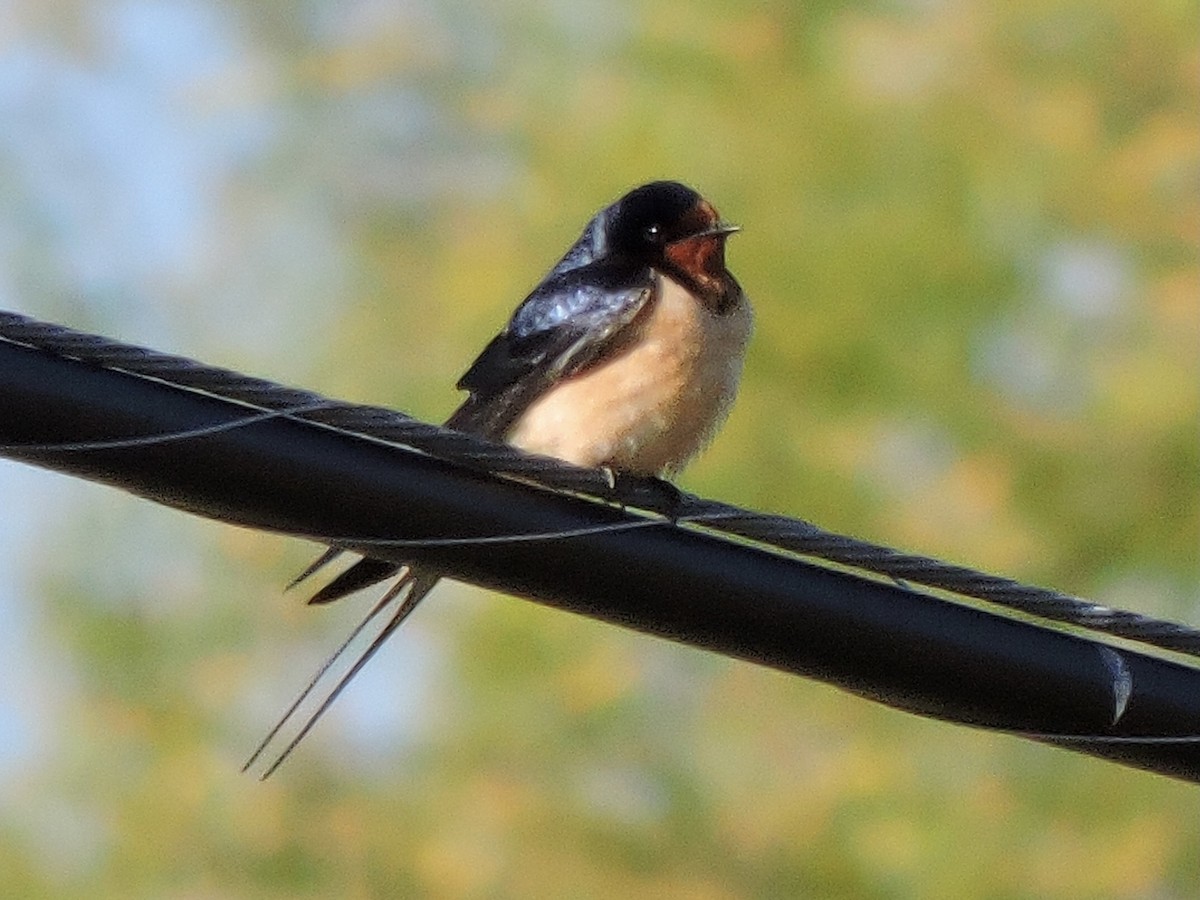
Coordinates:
<point>1122,681</point>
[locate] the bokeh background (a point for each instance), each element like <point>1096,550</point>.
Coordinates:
<point>971,236</point>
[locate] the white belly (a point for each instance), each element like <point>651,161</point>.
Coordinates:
<point>656,404</point>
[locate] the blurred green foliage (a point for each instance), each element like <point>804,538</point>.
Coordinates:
<point>970,235</point>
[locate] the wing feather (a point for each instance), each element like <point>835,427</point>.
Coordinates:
<point>568,323</point>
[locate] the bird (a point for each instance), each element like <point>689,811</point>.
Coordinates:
<point>626,356</point>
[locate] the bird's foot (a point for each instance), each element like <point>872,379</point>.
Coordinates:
<point>649,492</point>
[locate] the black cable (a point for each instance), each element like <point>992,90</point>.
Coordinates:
<point>780,532</point>
<point>897,646</point>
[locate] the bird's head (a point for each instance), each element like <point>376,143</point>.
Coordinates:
<point>669,226</point>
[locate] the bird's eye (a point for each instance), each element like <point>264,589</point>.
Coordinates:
<point>651,233</point>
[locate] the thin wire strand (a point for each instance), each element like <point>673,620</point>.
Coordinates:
<point>1147,739</point>
<point>791,535</point>
<point>163,437</point>
<point>523,538</point>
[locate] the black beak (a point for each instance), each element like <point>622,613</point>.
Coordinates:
<point>723,228</point>
<point>714,230</point>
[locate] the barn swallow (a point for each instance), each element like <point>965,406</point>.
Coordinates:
<point>627,356</point>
